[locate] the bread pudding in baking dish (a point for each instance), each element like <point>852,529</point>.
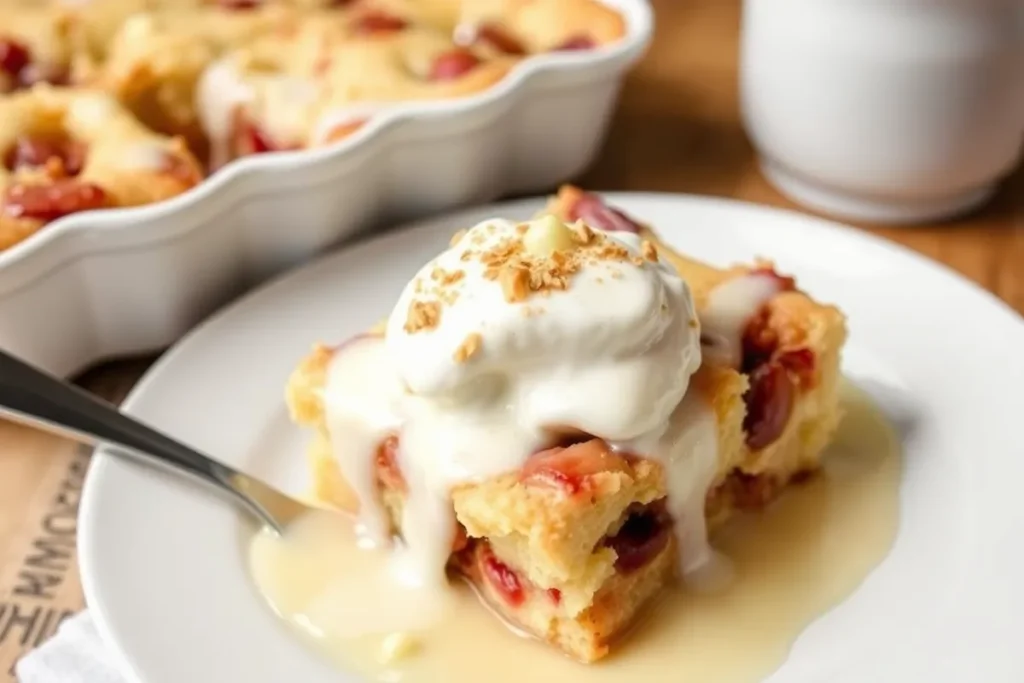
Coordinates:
<point>224,79</point>
<point>66,150</point>
<point>235,77</point>
<point>562,410</point>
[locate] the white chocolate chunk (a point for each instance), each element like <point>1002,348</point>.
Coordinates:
<point>547,235</point>
<point>396,646</point>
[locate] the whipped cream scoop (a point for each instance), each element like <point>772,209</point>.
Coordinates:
<point>515,334</point>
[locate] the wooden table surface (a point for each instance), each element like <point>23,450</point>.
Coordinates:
<point>677,129</point>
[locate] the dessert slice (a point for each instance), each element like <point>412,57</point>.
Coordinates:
<point>571,447</point>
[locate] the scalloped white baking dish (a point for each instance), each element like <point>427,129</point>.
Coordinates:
<point>122,281</point>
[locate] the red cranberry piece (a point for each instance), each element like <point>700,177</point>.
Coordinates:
<point>800,362</point>
<point>239,4</point>
<point>14,57</point>
<point>760,341</point>
<point>453,64</point>
<point>38,150</point>
<point>54,200</point>
<point>555,595</point>
<point>251,139</point>
<point>38,73</point>
<point>597,214</point>
<point>500,39</point>
<point>378,22</point>
<point>769,404</point>
<point>258,141</point>
<point>568,468</point>
<point>504,580</point>
<point>641,538</point>
<point>580,42</point>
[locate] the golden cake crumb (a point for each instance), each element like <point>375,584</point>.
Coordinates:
<point>468,348</point>
<point>423,315</point>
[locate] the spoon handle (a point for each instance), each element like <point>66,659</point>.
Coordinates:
<point>33,397</point>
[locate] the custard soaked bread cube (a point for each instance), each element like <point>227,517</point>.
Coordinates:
<point>571,546</point>
<point>784,354</point>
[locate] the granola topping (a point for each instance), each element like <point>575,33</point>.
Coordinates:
<point>423,315</point>
<point>545,256</point>
<point>468,348</point>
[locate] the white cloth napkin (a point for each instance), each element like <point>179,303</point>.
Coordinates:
<point>75,654</point>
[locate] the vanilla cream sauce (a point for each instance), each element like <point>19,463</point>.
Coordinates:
<point>792,562</point>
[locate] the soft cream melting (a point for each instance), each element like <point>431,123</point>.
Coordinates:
<point>611,355</point>
<point>730,307</point>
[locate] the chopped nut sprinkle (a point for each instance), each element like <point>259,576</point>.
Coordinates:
<point>515,283</point>
<point>446,277</point>
<point>423,315</point>
<point>522,272</point>
<point>649,251</point>
<point>693,323</point>
<point>583,232</point>
<point>468,348</point>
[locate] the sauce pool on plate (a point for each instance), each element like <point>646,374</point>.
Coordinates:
<point>792,562</point>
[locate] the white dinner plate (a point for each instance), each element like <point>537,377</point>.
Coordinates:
<point>162,561</point>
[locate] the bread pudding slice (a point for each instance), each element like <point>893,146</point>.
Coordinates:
<point>573,545</point>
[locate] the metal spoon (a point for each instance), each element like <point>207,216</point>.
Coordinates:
<point>33,397</point>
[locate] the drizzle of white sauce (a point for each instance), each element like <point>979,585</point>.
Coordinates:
<point>610,356</point>
<point>283,105</point>
<point>221,90</point>
<point>689,451</point>
<point>91,112</point>
<point>730,307</point>
<point>145,156</point>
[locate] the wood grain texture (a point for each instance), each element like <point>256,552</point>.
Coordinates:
<point>677,130</point>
